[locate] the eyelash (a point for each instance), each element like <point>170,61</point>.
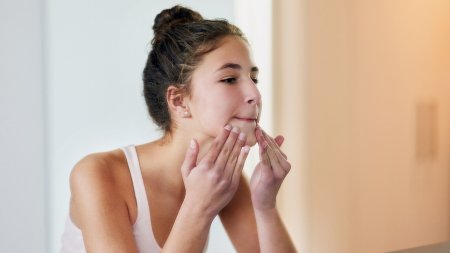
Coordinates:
<point>232,80</point>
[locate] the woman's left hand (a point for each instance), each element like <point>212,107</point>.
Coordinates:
<point>269,172</point>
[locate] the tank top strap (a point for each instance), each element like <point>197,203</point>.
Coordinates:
<point>142,227</point>
<point>138,182</point>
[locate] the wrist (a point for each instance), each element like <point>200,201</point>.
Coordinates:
<point>189,219</point>
<point>263,205</point>
<point>195,211</point>
<point>264,212</point>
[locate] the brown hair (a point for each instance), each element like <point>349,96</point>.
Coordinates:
<point>181,38</point>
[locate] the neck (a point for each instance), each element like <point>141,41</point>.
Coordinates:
<point>163,158</point>
<point>177,143</point>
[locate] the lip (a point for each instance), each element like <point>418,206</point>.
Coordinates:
<point>246,119</point>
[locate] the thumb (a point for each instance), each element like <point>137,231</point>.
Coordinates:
<point>190,159</point>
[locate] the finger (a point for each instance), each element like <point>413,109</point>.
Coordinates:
<point>260,138</point>
<point>233,158</point>
<point>275,152</point>
<point>271,140</point>
<point>263,145</point>
<point>226,150</point>
<point>190,158</point>
<point>279,140</point>
<point>263,157</point>
<point>275,144</point>
<point>276,158</point>
<point>217,145</point>
<point>243,154</point>
<point>277,169</point>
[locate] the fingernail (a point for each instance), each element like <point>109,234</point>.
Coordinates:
<point>192,144</point>
<point>242,136</point>
<point>246,149</point>
<point>235,129</point>
<point>228,127</point>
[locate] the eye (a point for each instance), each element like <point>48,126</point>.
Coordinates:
<point>255,80</point>
<point>230,80</point>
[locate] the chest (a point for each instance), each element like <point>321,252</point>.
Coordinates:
<point>163,209</point>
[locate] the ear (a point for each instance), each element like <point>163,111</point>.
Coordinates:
<point>177,102</point>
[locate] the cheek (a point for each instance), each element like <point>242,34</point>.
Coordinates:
<point>212,115</point>
<point>218,108</point>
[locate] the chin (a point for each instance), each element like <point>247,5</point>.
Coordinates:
<point>251,140</point>
<point>249,130</point>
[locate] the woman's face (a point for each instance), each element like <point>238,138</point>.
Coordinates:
<point>223,91</point>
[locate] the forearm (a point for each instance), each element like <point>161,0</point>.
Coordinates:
<point>189,232</point>
<point>272,235</point>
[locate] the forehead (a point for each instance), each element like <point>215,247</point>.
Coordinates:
<point>231,49</point>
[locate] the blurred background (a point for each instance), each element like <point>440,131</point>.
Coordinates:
<point>360,89</point>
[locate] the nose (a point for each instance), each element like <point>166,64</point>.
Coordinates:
<point>252,95</point>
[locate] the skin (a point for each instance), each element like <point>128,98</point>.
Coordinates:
<point>213,129</point>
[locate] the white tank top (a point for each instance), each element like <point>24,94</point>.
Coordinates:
<point>72,239</point>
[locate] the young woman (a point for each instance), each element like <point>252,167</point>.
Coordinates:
<point>200,88</point>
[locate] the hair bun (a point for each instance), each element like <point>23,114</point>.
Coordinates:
<point>168,18</point>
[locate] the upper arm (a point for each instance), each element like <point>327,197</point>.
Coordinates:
<point>98,208</point>
<point>238,219</point>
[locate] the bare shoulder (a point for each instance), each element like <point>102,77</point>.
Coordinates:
<point>98,181</point>
<point>102,168</point>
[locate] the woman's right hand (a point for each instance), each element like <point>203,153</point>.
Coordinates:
<point>212,182</point>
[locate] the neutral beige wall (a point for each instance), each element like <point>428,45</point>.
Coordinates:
<point>377,179</point>
<point>401,61</point>
<point>289,115</point>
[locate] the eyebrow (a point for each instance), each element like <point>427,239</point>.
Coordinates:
<point>236,66</point>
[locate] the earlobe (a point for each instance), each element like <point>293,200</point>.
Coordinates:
<point>186,113</point>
